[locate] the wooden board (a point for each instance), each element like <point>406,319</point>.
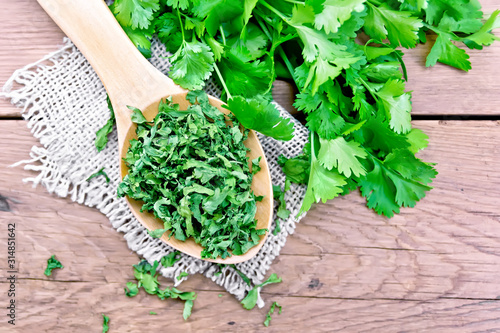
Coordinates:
<point>434,267</point>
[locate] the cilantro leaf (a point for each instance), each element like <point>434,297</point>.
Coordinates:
<point>181,275</point>
<point>457,9</point>
<point>448,53</point>
<point>342,155</point>
<point>105,323</point>
<point>102,134</point>
<point>396,103</point>
<point>192,64</point>
<point>169,31</point>
<point>137,116</point>
<point>147,278</point>
<point>188,308</point>
<point>323,184</point>
<point>261,116</point>
<point>401,28</point>
<point>131,290</point>
<point>99,173</point>
<point>141,39</point>
<point>331,14</point>
<point>135,13</point>
<point>251,298</point>
<point>387,187</point>
<point>216,12</point>
<point>246,78</point>
<point>170,259</point>
<point>270,312</point>
<point>52,263</point>
<point>417,139</point>
<point>483,36</point>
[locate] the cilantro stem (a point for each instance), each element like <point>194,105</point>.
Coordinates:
<point>274,10</point>
<point>180,23</point>
<point>374,2</point>
<point>296,2</point>
<point>401,62</point>
<point>288,65</point>
<point>223,35</point>
<point>367,86</point>
<point>222,81</point>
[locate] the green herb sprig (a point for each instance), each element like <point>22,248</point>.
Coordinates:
<point>353,93</point>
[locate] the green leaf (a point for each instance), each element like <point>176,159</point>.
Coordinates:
<point>417,139</point>
<point>334,13</point>
<point>157,233</point>
<point>141,39</point>
<point>342,155</point>
<point>137,116</point>
<point>270,312</point>
<point>251,298</point>
<point>296,169</point>
<point>408,166</point>
<point>396,103</point>
<point>217,12</point>
<point>376,135</point>
<point>188,307</point>
<point>99,173</point>
<point>102,134</point>
<point>325,122</point>
<point>448,53</point>
<point>170,259</point>
<point>484,36</point>
<point>261,116</point>
<point>105,323</point>
<point>192,64</point>
<point>181,4</point>
<point>457,9</point>
<point>135,13</point>
<point>169,31</point>
<point>401,28</point>
<point>323,184</point>
<point>52,263</point>
<point>247,79</point>
<point>387,187</point>
<point>131,290</point>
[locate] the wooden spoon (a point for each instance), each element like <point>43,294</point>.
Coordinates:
<point>131,80</point>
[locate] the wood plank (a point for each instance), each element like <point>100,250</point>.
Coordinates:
<point>28,34</point>
<point>62,307</point>
<point>345,268</point>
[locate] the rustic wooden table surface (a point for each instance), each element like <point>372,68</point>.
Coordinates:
<point>432,268</point>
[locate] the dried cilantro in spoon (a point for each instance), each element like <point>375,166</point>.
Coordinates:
<point>191,171</point>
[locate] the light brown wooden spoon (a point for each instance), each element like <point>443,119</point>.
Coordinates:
<point>131,80</point>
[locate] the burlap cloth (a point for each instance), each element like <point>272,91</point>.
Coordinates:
<point>64,104</point>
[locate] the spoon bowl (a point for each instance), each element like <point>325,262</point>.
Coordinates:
<point>130,80</point>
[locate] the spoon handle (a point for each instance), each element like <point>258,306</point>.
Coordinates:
<point>127,76</point>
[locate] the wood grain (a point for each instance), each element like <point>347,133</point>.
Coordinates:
<point>433,268</point>
<point>28,34</point>
<point>345,269</point>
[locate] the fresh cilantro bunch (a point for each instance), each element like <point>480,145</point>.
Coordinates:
<point>351,91</point>
<point>194,175</point>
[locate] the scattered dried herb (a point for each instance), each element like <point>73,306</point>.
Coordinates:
<point>147,278</point>
<point>52,263</point>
